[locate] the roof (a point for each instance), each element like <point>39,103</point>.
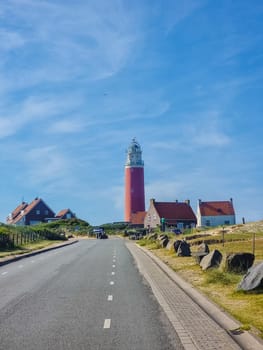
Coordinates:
<point>23,209</point>
<point>26,210</point>
<point>62,213</point>
<point>216,208</point>
<point>17,210</point>
<point>175,211</point>
<point>138,217</point>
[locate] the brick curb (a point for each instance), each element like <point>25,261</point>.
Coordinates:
<point>246,340</point>
<point>10,259</point>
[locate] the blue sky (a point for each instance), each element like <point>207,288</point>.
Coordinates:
<point>79,79</point>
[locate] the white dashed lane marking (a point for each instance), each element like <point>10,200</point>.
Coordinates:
<point>111,283</point>
<point>113,266</point>
<point>107,322</point>
<point>110,297</point>
<point>4,273</point>
<point>113,273</point>
<point>20,266</point>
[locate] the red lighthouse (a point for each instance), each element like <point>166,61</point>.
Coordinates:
<point>134,181</point>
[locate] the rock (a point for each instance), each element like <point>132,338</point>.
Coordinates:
<point>253,278</point>
<point>203,248</point>
<point>184,249</point>
<point>170,244</point>
<point>212,259</point>
<point>164,242</point>
<point>177,244</point>
<point>199,256</point>
<point>153,236</point>
<point>162,236</point>
<point>239,262</point>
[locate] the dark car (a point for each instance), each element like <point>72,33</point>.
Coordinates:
<point>177,231</point>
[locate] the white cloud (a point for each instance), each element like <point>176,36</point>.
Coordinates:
<point>208,130</point>
<point>10,40</point>
<point>96,39</point>
<point>45,164</point>
<point>67,126</point>
<point>7,127</point>
<point>32,110</point>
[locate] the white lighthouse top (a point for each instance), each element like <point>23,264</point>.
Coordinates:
<point>134,155</point>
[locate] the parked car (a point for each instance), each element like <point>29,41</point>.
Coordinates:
<point>177,231</point>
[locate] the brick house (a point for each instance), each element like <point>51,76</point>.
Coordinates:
<point>30,214</point>
<point>176,214</point>
<point>215,213</point>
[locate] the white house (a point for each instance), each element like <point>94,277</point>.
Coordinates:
<point>215,213</point>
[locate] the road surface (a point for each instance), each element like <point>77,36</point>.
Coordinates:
<point>88,295</point>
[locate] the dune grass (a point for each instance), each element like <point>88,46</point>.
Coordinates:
<point>219,285</point>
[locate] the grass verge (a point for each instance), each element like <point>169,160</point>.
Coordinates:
<point>218,285</point>
<point>29,247</point>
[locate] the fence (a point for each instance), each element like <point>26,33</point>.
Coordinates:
<point>10,240</point>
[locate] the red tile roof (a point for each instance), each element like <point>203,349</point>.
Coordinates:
<point>23,209</point>
<point>17,210</point>
<point>26,210</point>
<point>216,208</point>
<point>62,213</point>
<point>175,211</point>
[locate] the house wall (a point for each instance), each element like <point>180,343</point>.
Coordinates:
<point>217,220</point>
<point>198,216</point>
<point>38,214</point>
<point>152,218</point>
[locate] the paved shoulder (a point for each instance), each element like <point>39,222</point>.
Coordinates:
<point>195,328</point>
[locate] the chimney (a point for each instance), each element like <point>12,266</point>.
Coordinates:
<point>187,201</point>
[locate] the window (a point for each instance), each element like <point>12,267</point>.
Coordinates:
<point>38,212</point>
<point>207,223</point>
<point>227,222</point>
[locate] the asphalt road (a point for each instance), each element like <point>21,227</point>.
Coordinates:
<point>88,295</point>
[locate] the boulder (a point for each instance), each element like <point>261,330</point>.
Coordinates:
<point>162,236</point>
<point>164,242</point>
<point>184,249</point>
<point>153,236</point>
<point>239,262</point>
<point>253,278</point>
<point>170,244</point>
<point>203,248</point>
<point>177,245</point>
<point>212,259</point>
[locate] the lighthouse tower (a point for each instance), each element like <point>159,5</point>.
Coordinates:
<point>134,181</point>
